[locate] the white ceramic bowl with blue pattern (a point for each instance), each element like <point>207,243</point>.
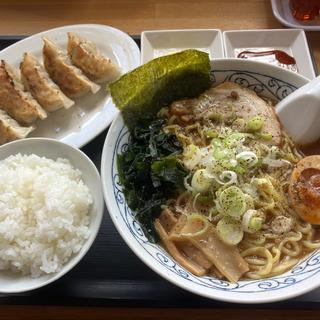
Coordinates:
<point>269,81</point>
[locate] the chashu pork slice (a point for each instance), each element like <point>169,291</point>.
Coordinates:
<point>231,101</point>
<point>18,103</point>
<point>10,129</point>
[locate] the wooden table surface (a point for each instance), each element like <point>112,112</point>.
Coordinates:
<point>27,17</point>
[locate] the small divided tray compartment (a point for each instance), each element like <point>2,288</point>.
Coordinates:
<point>155,43</point>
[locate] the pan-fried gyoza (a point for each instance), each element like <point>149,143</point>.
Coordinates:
<point>85,55</point>
<point>18,103</point>
<point>42,88</point>
<point>69,78</point>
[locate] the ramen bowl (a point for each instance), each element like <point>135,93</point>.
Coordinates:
<point>268,81</point>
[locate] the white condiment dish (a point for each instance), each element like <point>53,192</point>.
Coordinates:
<point>291,41</point>
<point>156,43</point>
<point>11,282</point>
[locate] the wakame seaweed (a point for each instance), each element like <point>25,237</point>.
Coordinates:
<point>150,172</point>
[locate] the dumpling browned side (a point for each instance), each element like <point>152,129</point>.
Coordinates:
<point>86,56</point>
<point>10,129</point>
<point>70,79</point>
<point>42,88</point>
<point>18,103</point>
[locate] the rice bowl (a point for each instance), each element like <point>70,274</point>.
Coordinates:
<point>52,218</point>
<point>44,207</point>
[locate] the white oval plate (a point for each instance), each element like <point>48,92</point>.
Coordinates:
<point>91,114</point>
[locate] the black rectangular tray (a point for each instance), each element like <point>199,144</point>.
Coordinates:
<point>111,275</point>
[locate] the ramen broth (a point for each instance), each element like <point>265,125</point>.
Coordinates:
<point>311,149</point>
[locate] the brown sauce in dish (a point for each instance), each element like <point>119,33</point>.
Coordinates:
<point>279,55</point>
<point>272,56</point>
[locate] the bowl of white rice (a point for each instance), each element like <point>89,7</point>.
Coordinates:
<point>51,207</point>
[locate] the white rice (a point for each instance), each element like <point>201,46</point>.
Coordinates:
<point>44,208</point>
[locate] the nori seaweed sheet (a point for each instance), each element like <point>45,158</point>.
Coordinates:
<point>141,93</point>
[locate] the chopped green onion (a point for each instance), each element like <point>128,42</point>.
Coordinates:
<point>249,189</point>
<point>230,231</point>
<point>228,177</point>
<point>213,212</point>
<point>252,221</point>
<point>255,223</point>
<point>220,154</point>
<point>265,136</point>
<point>216,142</point>
<point>191,156</point>
<point>240,170</point>
<point>274,152</point>
<point>249,201</point>
<point>187,184</point>
<point>265,185</point>
<point>227,164</point>
<point>211,134</point>
<point>255,124</point>
<point>234,139</point>
<point>190,150</point>
<point>200,181</point>
<point>198,224</point>
<point>232,202</point>
<point>247,158</point>
<point>268,194</point>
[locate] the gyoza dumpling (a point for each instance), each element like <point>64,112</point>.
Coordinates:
<point>70,79</point>
<point>10,129</point>
<point>42,88</point>
<point>85,55</point>
<point>18,103</point>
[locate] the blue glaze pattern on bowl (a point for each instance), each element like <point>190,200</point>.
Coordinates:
<point>296,281</point>
<point>304,270</point>
<point>261,84</point>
